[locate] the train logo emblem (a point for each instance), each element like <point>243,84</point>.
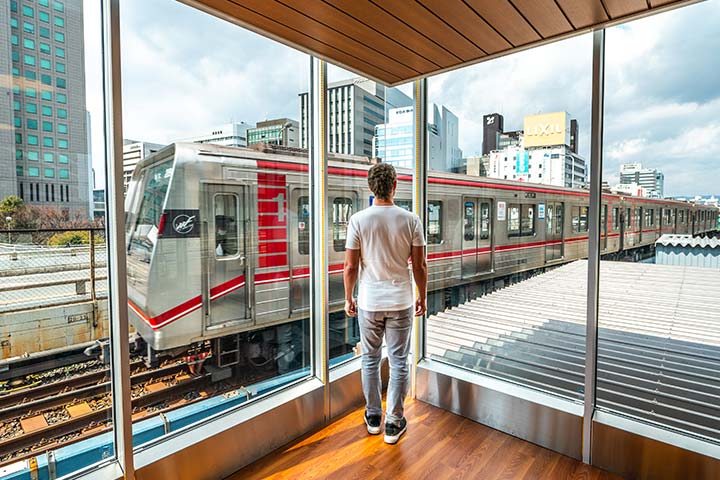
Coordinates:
<point>183,224</point>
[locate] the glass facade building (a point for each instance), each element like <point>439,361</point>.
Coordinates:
<point>49,114</point>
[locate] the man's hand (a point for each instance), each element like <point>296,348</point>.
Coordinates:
<point>350,307</point>
<point>420,307</point>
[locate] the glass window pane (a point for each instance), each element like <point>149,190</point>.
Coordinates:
<point>54,313</point>
<point>507,164</point>
<point>241,237</point>
<point>365,120</point>
<point>658,348</point>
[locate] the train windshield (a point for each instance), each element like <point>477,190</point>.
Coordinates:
<point>153,186</point>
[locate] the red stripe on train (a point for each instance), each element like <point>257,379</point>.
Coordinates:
<point>304,272</point>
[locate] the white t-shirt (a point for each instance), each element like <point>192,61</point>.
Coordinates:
<point>384,236</point>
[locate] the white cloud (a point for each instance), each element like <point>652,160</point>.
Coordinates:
<point>185,71</point>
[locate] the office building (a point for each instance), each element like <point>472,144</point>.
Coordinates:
<point>230,135</point>
<point>98,203</point>
<point>283,132</point>
<point>394,141</point>
<point>477,165</point>
<point>45,159</point>
<point>492,128</point>
<point>133,152</point>
<point>355,107</point>
<point>651,179</point>
<point>541,153</point>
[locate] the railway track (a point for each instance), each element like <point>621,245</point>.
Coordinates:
<point>76,408</point>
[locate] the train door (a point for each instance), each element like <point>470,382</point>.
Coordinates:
<point>226,244</point>
<point>554,220</point>
<point>477,237</point>
<point>640,223</point>
<point>299,250</point>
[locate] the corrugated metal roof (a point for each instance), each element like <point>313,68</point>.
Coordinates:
<point>688,241</point>
<point>658,349</point>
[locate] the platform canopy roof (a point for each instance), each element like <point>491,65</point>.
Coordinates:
<point>395,41</point>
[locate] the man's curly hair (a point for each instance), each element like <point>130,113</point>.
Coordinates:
<point>381,178</point>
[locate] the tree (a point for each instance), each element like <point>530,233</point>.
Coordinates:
<point>10,206</point>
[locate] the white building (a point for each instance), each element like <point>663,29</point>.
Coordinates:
<point>651,179</point>
<point>630,190</point>
<point>394,141</point>
<point>230,135</point>
<point>133,152</point>
<point>355,107</point>
<point>541,154</point>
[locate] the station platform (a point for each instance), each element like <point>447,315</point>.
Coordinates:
<point>438,445</point>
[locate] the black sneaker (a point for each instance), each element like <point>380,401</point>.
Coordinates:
<point>393,432</point>
<point>373,423</point>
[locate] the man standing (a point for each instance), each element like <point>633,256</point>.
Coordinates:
<point>380,240</point>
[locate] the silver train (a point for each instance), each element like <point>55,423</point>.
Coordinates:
<point>218,238</point>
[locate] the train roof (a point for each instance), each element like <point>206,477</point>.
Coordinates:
<point>345,164</point>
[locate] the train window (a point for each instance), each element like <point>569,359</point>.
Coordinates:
<point>303,226</point>
<point>404,204</point>
<point>484,221</point>
<point>559,219</point>
<point>226,225</point>
<point>583,219</point>
<point>550,220</point>
<point>469,221</point>
<point>341,213</point>
<point>636,219</point>
<point>513,220</point>
<point>603,218</point>
<point>580,219</point>
<point>434,234</point>
<point>153,191</point>
<point>521,220</point>
<point>649,217</point>
<point>527,221</point>
<point>616,218</point>
<point>628,217</point>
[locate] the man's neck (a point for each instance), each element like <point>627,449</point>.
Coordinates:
<point>383,202</point>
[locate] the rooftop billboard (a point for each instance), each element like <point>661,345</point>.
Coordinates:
<point>546,129</point>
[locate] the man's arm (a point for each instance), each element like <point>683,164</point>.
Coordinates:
<point>350,274</point>
<point>419,267</point>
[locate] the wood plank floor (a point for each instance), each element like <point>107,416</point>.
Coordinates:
<point>437,445</point>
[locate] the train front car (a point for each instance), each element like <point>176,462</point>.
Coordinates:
<point>164,259</point>
<point>205,278</point>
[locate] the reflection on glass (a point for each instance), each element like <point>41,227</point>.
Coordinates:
<point>659,336</point>
<point>218,221</point>
<point>499,186</point>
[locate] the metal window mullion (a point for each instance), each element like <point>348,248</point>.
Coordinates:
<point>117,272</point>
<point>591,334</point>
<point>317,157</point>
<point>419,205</point>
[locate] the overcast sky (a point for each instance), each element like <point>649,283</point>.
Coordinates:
<point>185,72</point>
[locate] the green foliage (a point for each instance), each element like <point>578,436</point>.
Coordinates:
<point>73,238</point>
<point>10,206</point>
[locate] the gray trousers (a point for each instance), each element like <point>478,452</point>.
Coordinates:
<point>396,326</point>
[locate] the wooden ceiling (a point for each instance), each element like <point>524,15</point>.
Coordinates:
<point>395,41</point>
